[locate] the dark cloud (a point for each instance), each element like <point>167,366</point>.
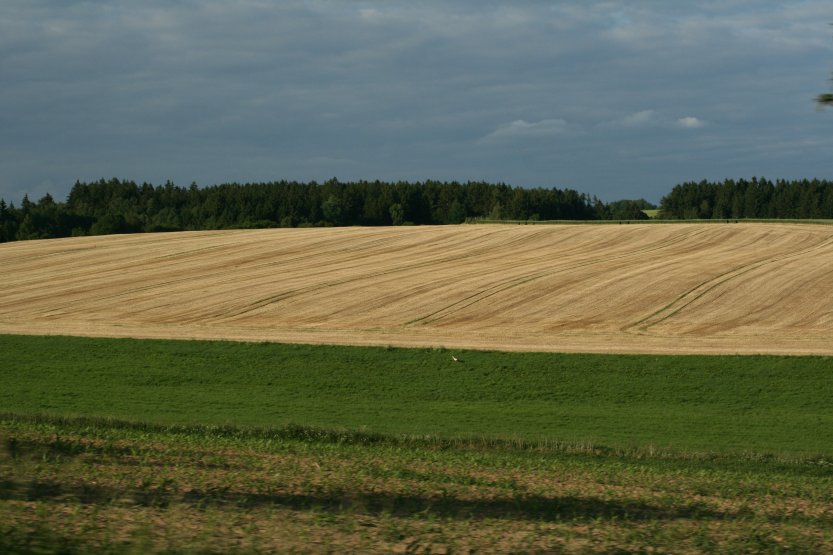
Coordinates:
<point>612,99</point>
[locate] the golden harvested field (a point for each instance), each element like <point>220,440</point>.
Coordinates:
<point>684,288</point>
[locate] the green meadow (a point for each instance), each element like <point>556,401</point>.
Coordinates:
<point>135,446</point>
<point>726,404</point>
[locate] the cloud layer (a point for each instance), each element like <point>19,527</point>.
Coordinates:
<point>615,100</point>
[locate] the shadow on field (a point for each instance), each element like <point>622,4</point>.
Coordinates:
<point>369,503</point>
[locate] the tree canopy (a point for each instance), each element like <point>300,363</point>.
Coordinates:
<point>119,206</point>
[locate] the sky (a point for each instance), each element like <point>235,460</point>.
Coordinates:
<point>613,99</point>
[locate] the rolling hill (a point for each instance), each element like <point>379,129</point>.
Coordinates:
<point>684,288</point>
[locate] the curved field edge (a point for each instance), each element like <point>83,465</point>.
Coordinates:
<point>82,485</point>
<point>749,288</point>
<point>729,404</point>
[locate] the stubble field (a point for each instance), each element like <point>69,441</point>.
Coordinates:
<point>686,288</point>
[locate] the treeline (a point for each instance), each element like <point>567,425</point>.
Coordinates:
<point>754,198</point>
<point>118,206</point>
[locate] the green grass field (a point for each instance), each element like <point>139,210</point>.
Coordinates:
<point>115,445</point>
<point>688,403</point>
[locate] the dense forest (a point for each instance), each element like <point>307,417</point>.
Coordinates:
<point>117,206</point>
<point>755,198</point>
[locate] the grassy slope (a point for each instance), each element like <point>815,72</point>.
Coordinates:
<point>723,404</point>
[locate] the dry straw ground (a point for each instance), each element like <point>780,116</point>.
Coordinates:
<point>686,288</point>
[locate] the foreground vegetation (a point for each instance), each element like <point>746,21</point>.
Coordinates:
<point>86,485</point>
<point>114,446</point>
<point>725,404</point>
